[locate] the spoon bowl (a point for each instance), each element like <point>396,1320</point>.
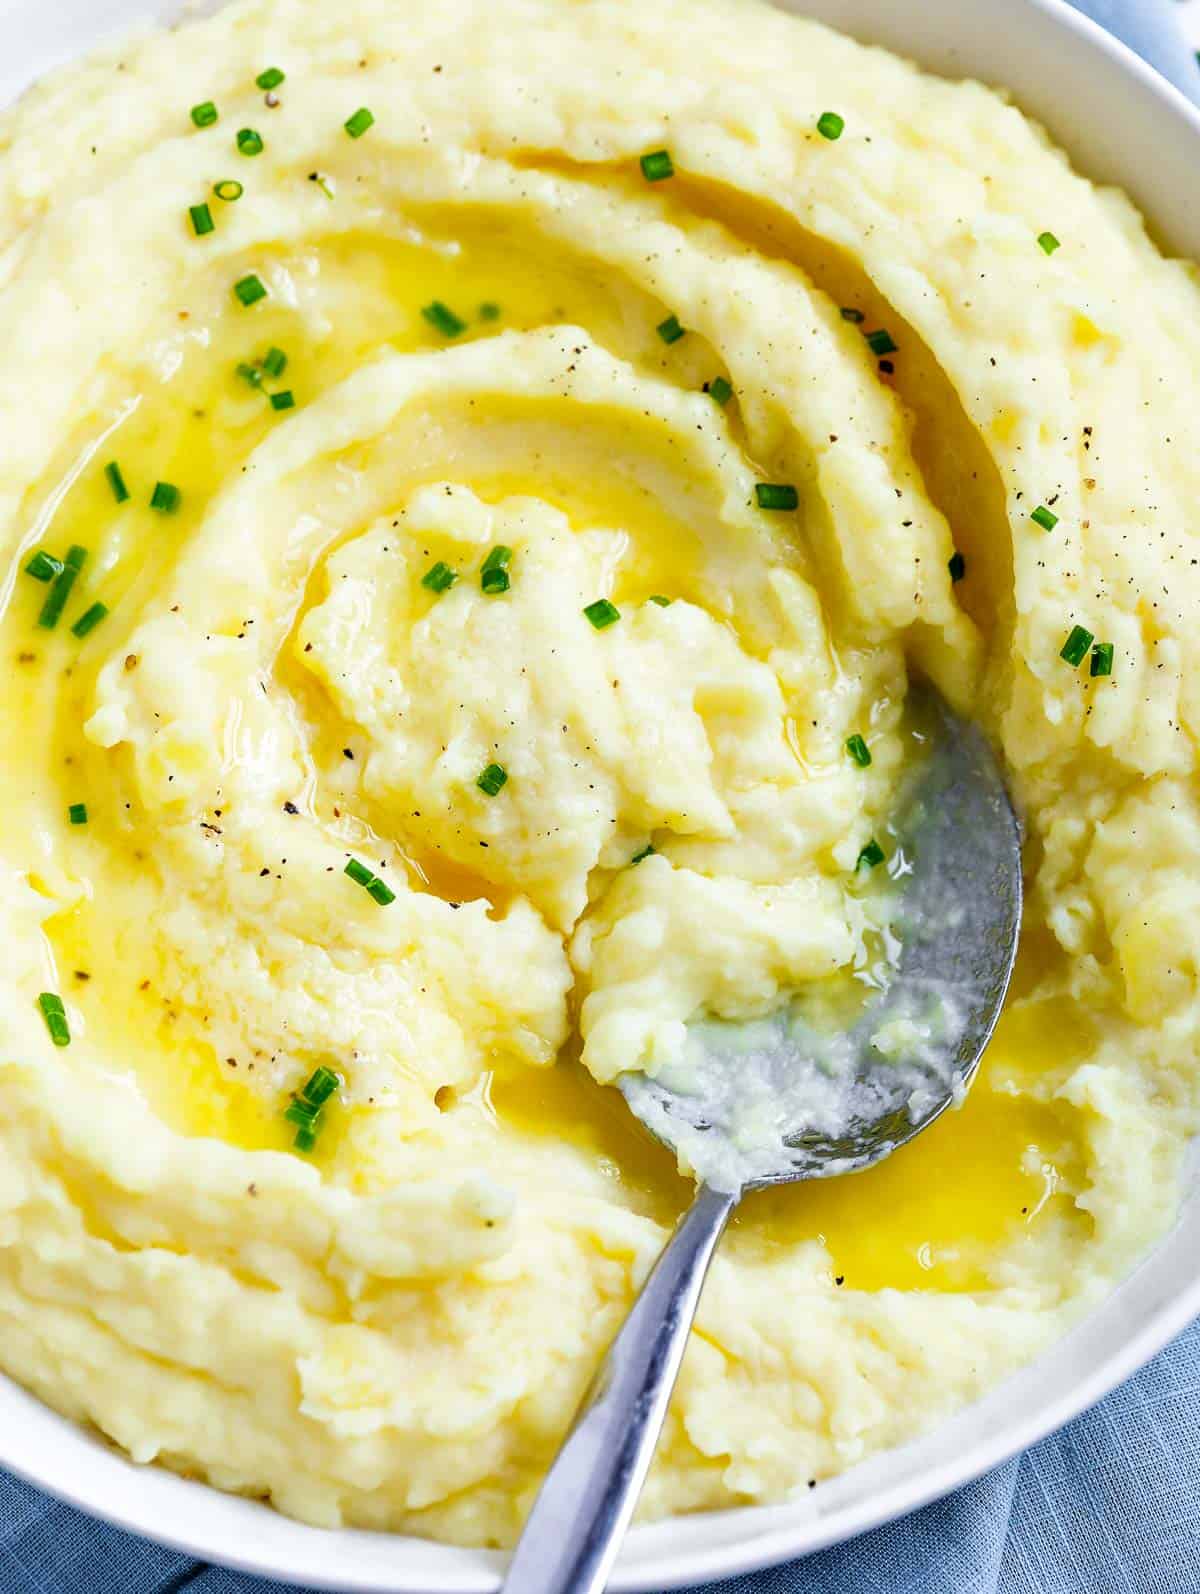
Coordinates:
<point>776,1101</point>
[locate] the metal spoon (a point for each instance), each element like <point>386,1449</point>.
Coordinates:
<point>958,859</point>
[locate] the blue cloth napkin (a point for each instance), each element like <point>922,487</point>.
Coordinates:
<point>1111,1505</point>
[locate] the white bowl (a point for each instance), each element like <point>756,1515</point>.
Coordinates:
<point>1123,124</point>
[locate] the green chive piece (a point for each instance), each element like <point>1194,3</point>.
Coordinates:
<point>56,598</point>
<point>283,401</point>
<point>43,566</point>
<point>882,342</point>
<point>957,566</point>
<point>443,319</point>
<point>1045,518</point>
<point>228,189</point>
<point>77,813</point>
<point>116,481</point>
<point>657,165</point>
<point>646,852</point>
<point>306,1138</point>
<point>493,572</point>
<point>1102,659</point>
<point>871,855</point>
<point>274,362</point>
<point>249,142</point>
<point>359,872</point>
<point>250,373</point>
<point>493,778</point>
<point>165,498</point>
<point>89,619</point>
<point>855,316</point>
<point>56,1018</point>
<point>602,613</point>
<point>489,311</point>
<point>205,114</point>
<point>776,495</point>
<point>669,330</point>
<point>201,219</point>
<point>321,1086</point>
<point>249,289</point>
<point>304,1113</point>
<point>358,124</point>
<point>859,751</point>
<point>439,577</point>
<point>1049,242</point>
<point>830,125</point>
<point>657,597</point>
<point>720,391</point>
<point>1074,649</point>
<point>382,892</point>
<point>271,78</point>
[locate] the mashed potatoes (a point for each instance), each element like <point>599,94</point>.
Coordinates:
<point>499,537</point>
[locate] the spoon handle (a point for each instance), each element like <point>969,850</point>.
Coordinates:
<point>579,1518</point>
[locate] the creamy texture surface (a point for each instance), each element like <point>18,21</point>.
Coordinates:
<point>479,299</point>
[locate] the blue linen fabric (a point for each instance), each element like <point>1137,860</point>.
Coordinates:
<point>1110,1505</point>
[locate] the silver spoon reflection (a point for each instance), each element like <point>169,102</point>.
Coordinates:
<point>767,1111</point>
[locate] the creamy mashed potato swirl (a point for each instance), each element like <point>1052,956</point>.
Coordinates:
<point>750,436</point>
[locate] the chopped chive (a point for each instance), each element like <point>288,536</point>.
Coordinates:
<point>271,78</point>
<point>306,1138</point>
<point>657,597</point>
<point>43,566</point>
<point>441,317</point>
<point>720,391</point>
<point>249,289</point>
<point>669,330</point>
<point>358,124</point>
<point>1074,649</point>
<point>1102,659</point>
<point>776,495</point>
<point>957,566</point>
<point>882,342</point>
<point>283,401</point>
<point>116,481</point>
<point>304,1113</point>
<point>382,892</point>
<point>1045,518</point>
<point>657,165</point>
<point>493,778</point>
<point>602,613</point>
<point>439,577</point>
<point>859,751</point>
<point>250,373</point>
<point>1049,242</point>
<point>56,1018</point>
<point>57,597</point>
<point>274,362</point>
<point>89,619</point>
<point>493,572</point>
<point>321,1086</point>
<point>830,125</point>
<point>871,855</point>
<point>205,114</point>
<point>249,142</point>
<point>638,856</point>
<point>850,314</point>
<point>165,498</point>
<point>201,219</point>
<point>228,189</point>
<point>359,872</point>
<point>488,311</point>
<point>77,813</point>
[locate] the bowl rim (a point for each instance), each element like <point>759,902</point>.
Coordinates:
<point>806,1532</point>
